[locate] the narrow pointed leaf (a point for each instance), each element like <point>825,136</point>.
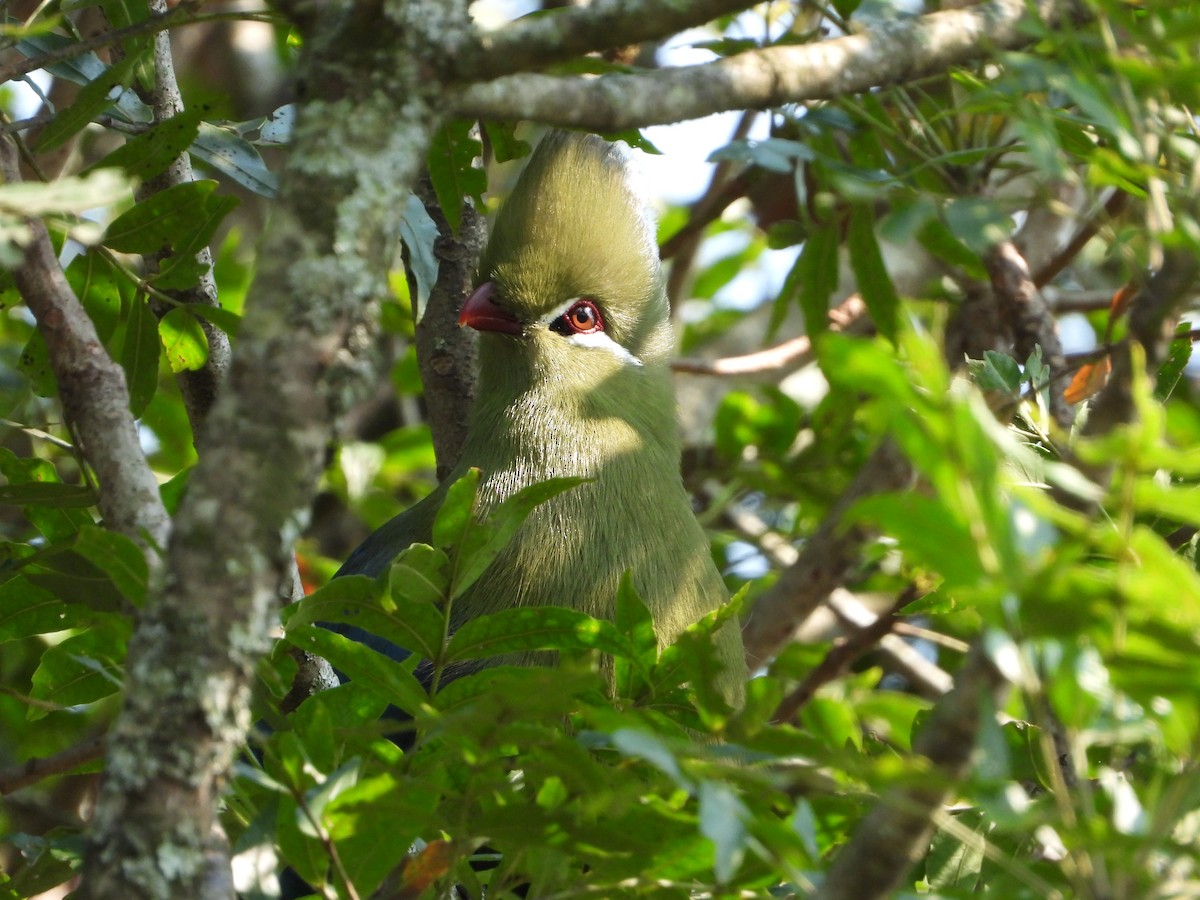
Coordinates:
<point>482,542</point>
<point>139,354</point>
<point>386,678</point>
<point>92,100</point>
<point>355,601</point>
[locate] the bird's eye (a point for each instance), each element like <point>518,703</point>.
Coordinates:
<point>581,318</point>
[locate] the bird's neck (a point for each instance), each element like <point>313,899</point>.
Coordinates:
<point>524,433</point>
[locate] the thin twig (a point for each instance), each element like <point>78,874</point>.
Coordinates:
<point>150,25</point>
<point>1112,207</point>
<point>826,559</point>
<point>327,842</point>
<point>840,657</point>
<point>39,768</point>
<point>790,354</point>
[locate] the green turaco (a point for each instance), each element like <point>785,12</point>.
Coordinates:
<point>573,381</point>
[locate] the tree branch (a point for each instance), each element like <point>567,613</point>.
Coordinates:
<point>841,655</point>
<point>896,831</point>
<point>95,397</point>
<point>540,41</point>
<point>152,24</point>
<point>1030,320</point>
<point>199,387</point>
<point>34,770</point>
<point>898,51</point>
<point>446,352</point>
<point>826,559</point>
<point>848,316</point>
<point>360,139</point>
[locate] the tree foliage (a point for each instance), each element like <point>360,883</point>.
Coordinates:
<point>963,549</point>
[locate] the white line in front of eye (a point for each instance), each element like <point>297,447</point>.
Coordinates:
<point>598,340</point>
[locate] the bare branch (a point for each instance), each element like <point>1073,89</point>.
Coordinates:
<point>34,770</point>
<point>152,24</point>
<point>1046,273</point>
<point>901,50</point>
<point>827,557</point>
<point>446,352</point>
<point>540,41</point>
<point>685,243</point>
<point>92,388</point>
<point>839,658</point>
<point>791,354</point>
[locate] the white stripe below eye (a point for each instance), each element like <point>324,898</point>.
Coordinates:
<point>601,341</point>
<point>598,341</point>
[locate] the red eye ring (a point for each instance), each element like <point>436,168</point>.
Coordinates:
<point>583,317</point>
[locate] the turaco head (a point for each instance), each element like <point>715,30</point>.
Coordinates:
<point>570,288</point>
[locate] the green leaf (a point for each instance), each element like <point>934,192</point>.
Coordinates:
<point>482,542</point>
<point>371,853</point>
<point>506,146</point>
<point>139,354</point>
<point>64,195</point>
<point>355,600</point>
<point>150,153</point>
<point>386,678</point>
<point>634,621</point>
<point>874,282</point>
<point>634,138</point>
<point>814,278</point>
<point>953,864</point>
<point>997,372</point>
<point>773,154</point>
<point>34,364</point>
<point>178,220</point>
<point>927,530</point>
<point>940,241</point>
<point>119,558</point>
<point>183,339</point>
<point>535,628</point>
<point>53,494</point>
<point>56,521</point>
<point>454,515</point>
<point>173,488</point>
<point>235,157</point>
<point>1171,371</point>
<point>68,569</point>
<point>100,288</point>
<point>978,222</point>
<point>225,319</point>
<point>88,103</point>
<point>452,170</point>
<point>26,610</point>
<point>420,574</point>
<point>82,669</point>
<point>722,821</point>
<point>419,232</point>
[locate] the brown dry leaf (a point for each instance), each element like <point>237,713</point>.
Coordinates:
<point>1117,308</point>
<point>423,869</point>
<point>1088,381</point>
